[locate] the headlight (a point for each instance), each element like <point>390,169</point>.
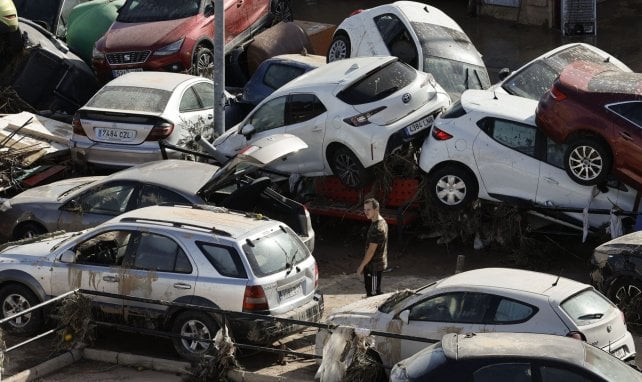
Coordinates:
<point>170,49</point>
<point>6,204</point>
<point>97,55</point>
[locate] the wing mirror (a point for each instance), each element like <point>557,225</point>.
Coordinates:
<point>503,73</point>
<point>73,206</point>
<point>68,256</point>
<point>403,316</point>
<point>247,130</point>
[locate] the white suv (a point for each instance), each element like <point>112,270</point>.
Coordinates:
<point>192,255</point>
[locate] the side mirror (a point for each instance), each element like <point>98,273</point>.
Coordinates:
<point>247,130</point>
<point>73,206</point>
<point>403,316</point>
<point>68,256</point>
<point>503,73</point>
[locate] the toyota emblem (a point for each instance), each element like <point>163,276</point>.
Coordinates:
<point>406,97</point>
<point>609,328</point>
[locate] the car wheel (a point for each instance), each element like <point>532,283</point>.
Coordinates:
<point>203,62</point>
<point>452,187</point>
<point>587,161</point>
<point>28,229</point>
<point>282,11</point>
<point>14,299</point>
<point>626,293</point>
<point>348,168</point>
<point>339,49</point>
<point>196,326</point>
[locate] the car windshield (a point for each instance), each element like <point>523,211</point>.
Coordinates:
<point>136,11</point>
<point>455,76</point>
<point>278,251</point>
<point>535,79</point>
<point>130,98</point>
<point>379,83</point>
<point>586,307</point>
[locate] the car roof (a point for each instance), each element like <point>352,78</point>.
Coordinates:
<point>555,287</point>
<point>185,176</point>
<point>154,80</point>
<point>214,219</point>
<point>419,12</point>
<point>314,60</point>
<point>500,104</point>
<point>592,77</point>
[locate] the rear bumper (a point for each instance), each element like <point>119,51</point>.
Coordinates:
<point>116,156</point>
<point>624,348</point>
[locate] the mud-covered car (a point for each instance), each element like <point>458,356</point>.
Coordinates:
<point>194,255</point>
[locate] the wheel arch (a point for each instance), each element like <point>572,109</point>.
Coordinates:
<point>16,277</point>
<point>203,41</point>
<point>589,133</point>
<point>454,163</point>
<point>334,146</point>
<point>175,311</point>
<point>29,220</point>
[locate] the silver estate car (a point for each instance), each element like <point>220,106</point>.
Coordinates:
<point>195,255</point>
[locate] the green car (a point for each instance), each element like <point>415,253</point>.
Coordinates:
<point>88,22</point>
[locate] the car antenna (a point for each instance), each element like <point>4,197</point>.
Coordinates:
<point>607,59</point>
<point>494,95</point>
<point>558,277</point>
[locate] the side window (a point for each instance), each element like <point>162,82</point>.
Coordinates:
<point>439,308</point>
<point>511,311</point>
<point>160,253</point>
<point>189,101</point>
<point>205,92</point>
<point>154,195</point>
<point>515,135</point>
<point>278,75</point>
<point>629,110</point>
<point>108,248</point>
<point>554,374</point>
<point>473,307</point>
<point>504,372</point>
<point>270,116</point>
<point>224,259</point>
<point>397,38</point>
<point>303,107</point>
<point>110,200</point>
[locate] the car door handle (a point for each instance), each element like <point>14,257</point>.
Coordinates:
<point>626,136</point>
<point>551,180</point>
<point>182,286</point>
<point>111,279</point>
<point>210,116</point>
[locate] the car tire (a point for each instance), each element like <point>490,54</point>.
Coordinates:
<point>452,187</point>
<point>203,62</point>
<point>626,293</point>
<point>27,230</point>
<point>16,298</point>
<point>347,167</point>
<point>282,11</point>
<point>587,161</point>
<point>339,49</point>
<point>198,325</point>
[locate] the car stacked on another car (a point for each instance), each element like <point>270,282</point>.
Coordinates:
<point>190,255</point>
<point>486,300</point>
<point>597,112</point>
<point>420,35</point>
<point>351,113</point>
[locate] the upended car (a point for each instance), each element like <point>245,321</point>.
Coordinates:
<point>420,35</point>
<point>79,203</point>
<point>597,112</point>
<point>486,300</point>
<point>488,146</point>
<point>351,113</point>
<point>192,255</point>
<point>516,357</point>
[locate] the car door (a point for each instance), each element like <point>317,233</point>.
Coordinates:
<point>505,158</point>
<point>96,205</point>
<point>236,18</point>
<point>461,312</point>
<point>195,110</point>
<point>306,118</point>
<point>157,268</point>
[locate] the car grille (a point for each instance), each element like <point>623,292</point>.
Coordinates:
<point>121,58</point>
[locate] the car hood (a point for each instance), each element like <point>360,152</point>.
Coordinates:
<point>630,244</point>
<point>363,313</point>
<point>31,250</point>
<point>54,192</point>
<point>145,35</point>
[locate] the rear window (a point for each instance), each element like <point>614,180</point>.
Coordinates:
<point>276,252</point>
<point>379,84</point>
<point>130,98</point>
<point>586,307</point>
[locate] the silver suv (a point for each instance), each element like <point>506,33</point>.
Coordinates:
<point>199,255</point>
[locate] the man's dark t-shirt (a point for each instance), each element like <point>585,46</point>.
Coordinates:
<point>378,234</point>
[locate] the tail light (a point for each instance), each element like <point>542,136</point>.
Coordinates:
<point>557,94</point>
<point>316,276</point>
<point>77,126</point>
<point>254,299</point>
<point>362,119</point>
<point>160,131</point>
<point>440,135</point>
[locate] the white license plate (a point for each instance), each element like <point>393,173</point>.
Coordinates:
<point>619,353</point>
<point>290,292</point>
<point>420,125</point>
<point>118,135</point>
<point>120,72</point>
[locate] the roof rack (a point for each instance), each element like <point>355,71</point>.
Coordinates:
<point>178,225</point>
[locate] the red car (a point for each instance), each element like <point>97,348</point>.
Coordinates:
<point>177,36</point>
<point>597,111</point>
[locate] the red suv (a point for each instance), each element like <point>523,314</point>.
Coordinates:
<point>177,36</point>
<point>596,110</point>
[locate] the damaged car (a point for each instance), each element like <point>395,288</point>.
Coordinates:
<point>485,300</point>
<point>78,203</point>
<point>191,255</point>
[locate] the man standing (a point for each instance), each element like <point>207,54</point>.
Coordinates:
<point>375,259</point>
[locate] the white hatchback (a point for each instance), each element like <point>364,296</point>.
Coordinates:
<point>351,113</point>
<point>487,300</point>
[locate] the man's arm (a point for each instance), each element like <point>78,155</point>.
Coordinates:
<point>372,247</point>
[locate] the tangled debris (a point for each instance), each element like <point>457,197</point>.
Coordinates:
<point>11,102</point>
<point>75,317</point>
<point>214,367</point>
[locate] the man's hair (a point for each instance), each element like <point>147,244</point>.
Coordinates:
<point>373,202</point>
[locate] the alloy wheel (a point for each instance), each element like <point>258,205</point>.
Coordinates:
<point>586,163</point>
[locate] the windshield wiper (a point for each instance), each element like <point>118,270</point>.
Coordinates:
<point>289,262</point>
<point>591,316</point>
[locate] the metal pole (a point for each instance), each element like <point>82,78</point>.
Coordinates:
<point>219,67</point>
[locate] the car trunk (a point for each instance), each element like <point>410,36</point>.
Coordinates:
<point>117,127</point>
